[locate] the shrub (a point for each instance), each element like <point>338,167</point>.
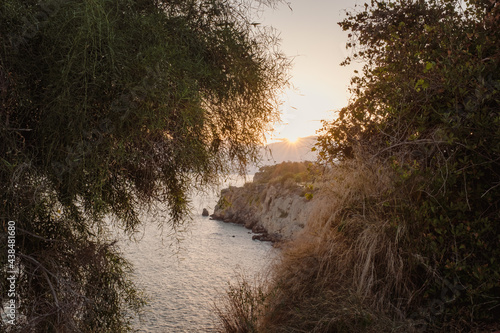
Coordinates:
<point>405,234</point>
<point>241,308</point>
<point>109,108</point>
<point>299,171</point>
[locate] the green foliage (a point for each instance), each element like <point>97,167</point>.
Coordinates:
<point>241,308</point>
<point>309,194</point>
<point>297,171</point>
<point>107,108</point>
<point>428,103</point>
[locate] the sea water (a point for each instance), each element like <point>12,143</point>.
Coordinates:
<point>185,273</point>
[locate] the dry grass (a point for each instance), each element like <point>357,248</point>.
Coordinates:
<point>350,269</point>
<point>241,308</point>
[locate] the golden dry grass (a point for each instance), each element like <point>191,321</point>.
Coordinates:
<point>350,269</point>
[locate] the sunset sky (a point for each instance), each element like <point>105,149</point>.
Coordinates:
<point>310,34</point>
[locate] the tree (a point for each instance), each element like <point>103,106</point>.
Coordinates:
<point>427,103</point>
<point>108,108</point>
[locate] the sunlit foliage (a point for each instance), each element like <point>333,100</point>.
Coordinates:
<point>404,232</point>
<point>108,107</point>
<point>427,103</point>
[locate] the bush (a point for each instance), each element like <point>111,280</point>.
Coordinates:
<point>111,108</point>
<point>298,171</point>
<point>406,231</point>
<point>240,310</point>
<point>427,105</point>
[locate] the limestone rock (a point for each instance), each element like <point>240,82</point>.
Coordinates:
<point>275,211</point>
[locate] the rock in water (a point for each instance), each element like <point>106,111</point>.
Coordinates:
<point>205,212</point>
<point>273,208</point>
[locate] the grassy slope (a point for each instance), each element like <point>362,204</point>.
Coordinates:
<point>357,268</point>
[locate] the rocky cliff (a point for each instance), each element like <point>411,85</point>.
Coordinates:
<point>274,206</point>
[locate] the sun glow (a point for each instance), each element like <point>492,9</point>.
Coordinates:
<point>293,139</point>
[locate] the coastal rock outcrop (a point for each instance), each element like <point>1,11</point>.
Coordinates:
<point>274,207</point>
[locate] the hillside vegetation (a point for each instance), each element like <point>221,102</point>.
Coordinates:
<point>114,108</point>
<point>298,172</point>
<point>276,204</point>
<point>405,231</point>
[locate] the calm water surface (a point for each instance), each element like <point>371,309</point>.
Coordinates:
<point>182,281</point>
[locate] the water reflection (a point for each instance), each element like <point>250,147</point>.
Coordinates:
<point>182,285</point>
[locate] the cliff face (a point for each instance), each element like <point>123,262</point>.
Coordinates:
<point>278,210</point>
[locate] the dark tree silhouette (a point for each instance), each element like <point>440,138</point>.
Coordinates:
<point>107,108</point>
